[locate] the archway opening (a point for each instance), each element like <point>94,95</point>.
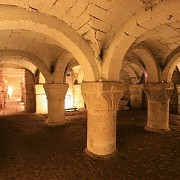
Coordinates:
<point>73,98</point>
<point>12,94</point>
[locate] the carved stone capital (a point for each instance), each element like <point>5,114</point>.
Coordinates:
<point>55,91</point>
<point>159,92</point>
<point>102,95</point>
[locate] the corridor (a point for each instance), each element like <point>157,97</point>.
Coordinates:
<point>12,107</point>
<point>30,149</point>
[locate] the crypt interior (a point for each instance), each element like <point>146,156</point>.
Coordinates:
<point>84,84</point>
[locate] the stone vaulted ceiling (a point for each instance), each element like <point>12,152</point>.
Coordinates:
<point>99,34</point>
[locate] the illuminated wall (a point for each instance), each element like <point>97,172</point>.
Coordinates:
<point>73,96</point>
<point>69,94</point>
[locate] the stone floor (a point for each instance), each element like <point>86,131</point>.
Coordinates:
<point>29,149</point>
<point>12,107</point>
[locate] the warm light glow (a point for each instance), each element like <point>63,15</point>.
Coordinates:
<point>68,101</point>
<point>10,91</point>
<point>41,100</point>
<point>145,74</point>
<point>41,104</point>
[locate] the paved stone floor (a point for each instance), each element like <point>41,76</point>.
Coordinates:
<point>29,149</point>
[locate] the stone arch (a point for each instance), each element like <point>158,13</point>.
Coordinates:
<point>164,12</point>
<point>19,18</point>
<point>21,63</point>
<point>26,60</point>
<point>170,64</point>
<point>130,71</point>
<point>134,61</point>
<point>149,61</point>
<point>72,63</point>
<point>60,67</point>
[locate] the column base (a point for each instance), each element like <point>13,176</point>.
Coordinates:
<point>157,130</point>
<point>55,123</point>
<point>103,157</point>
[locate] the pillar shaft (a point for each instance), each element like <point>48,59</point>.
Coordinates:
<point>136,92</point>
<point>158,95</point>
<point>30,102</point>
<point>55,96</point>
<point>178,92</point>
<point>102,100</point>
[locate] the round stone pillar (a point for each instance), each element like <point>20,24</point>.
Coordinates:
<point>178,92</point>
<point>41,99</point>
<point>55,95</point>
<point>102,99</point>
<point>136,93</point>
<point>158,95</point>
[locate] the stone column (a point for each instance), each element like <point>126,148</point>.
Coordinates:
<point>78,98</point>
<point>178,92</point>
<point>30,102</point>
<point>102,99</point>
<point>136,93</point>
<point>55,95</point>
<point>41,99</point>
<point>158,95</point>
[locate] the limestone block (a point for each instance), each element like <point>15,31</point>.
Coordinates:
<point>114,18</point>
<point>82,20</point>
<point>69,19</point>
<point>78,9</point>
<point>65,6</point>
<point>133,29</point>
<point>107,5</point>
<point>83,29</point>
<point>98,12</point>
<point>100,25</point>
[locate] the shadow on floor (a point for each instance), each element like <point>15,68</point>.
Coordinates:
<point>31,150</point>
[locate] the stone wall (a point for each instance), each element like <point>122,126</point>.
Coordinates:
<point>30,104</point>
